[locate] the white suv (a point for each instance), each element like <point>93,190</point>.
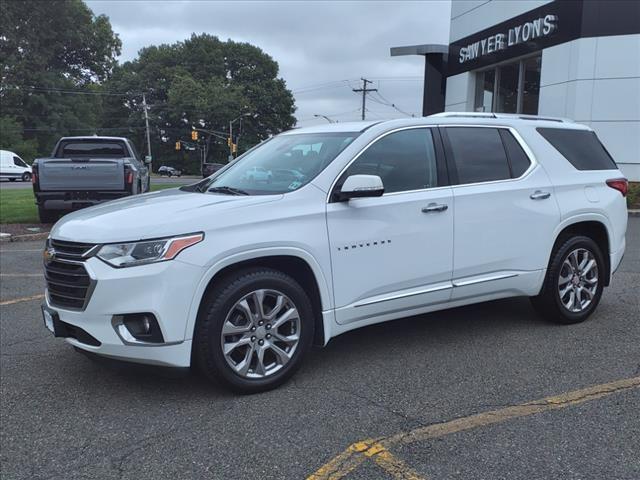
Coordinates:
<point>381,220</point>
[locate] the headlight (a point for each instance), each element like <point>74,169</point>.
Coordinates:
<point>148,251</point>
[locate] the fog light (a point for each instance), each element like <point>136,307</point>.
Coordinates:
<point>138,328</point>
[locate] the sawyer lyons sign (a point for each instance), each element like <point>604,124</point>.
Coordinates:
<point>550,24</point>
<point>528,31</point>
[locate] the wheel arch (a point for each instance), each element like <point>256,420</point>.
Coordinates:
<point>593,226</point>
<point>297,263</point>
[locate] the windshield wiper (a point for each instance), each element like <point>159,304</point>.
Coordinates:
<point>228,190</point>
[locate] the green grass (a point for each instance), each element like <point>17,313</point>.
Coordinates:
<point>18,205</point>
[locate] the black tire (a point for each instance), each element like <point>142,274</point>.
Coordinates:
<point>216,305</point>
<point>548,303</point>
<point>169,174</point>
<point>48,216</point>
<point>26,177</point>
<point>12,179</point>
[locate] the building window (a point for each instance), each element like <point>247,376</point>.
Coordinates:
<point>509,88</point>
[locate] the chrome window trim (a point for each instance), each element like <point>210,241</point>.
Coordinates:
<point>363,149</point>
<point>527,151</point>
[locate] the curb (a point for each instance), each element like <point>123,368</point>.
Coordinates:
<point>634,212</point>
<point>25,238</point>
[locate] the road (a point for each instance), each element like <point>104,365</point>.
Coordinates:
<point>186,179</point>
<point>406,399</point>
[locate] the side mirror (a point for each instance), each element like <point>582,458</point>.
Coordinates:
<point>360,186</point>
<point>147,160</point>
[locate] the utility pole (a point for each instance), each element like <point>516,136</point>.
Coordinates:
<point>364,91</point>
<point>146,121</point>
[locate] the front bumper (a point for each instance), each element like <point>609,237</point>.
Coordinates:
<point>164,289</point>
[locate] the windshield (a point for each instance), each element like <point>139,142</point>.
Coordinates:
<point>282,164</point>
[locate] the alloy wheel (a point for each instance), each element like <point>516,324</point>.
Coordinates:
<point>578,280</point>
<point>260,333</point>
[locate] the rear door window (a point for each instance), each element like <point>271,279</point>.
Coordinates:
<point>580,147</point>
<point>478,154</point>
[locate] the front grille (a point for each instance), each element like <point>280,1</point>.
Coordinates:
<point>68,283</point>
<point>70,250</point>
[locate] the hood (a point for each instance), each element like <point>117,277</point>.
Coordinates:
<point>151,215</point>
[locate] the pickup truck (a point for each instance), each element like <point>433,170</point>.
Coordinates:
<point>85,171</point>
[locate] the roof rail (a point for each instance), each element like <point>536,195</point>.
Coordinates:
<point>501,115</point>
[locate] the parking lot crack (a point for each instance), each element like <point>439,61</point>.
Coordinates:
<point>139,444</point>
<point>384,407</point>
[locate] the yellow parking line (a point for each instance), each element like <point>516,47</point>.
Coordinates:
<point>22,299</point>
<point>358,452</point>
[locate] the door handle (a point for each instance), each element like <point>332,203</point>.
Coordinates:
<point>435,207</point>
<point>539,195</point>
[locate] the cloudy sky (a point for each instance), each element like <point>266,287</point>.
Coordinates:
<point>323,48</point>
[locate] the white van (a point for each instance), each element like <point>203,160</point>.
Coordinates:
<point>12,167</point>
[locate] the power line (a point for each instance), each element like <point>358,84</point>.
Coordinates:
<point>384,101</point>
<point>364,91</point>
<point>72,92</point>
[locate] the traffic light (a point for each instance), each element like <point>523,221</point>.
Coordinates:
<point>194,135</point>
<point>229,141</point>
<point>234,148</point>
<point>177,145</point>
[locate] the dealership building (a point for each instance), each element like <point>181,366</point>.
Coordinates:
<point>578,59</point>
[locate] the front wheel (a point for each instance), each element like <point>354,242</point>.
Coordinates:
<point>26,177</point>
<point>253,330</point>
<point>574,281</point>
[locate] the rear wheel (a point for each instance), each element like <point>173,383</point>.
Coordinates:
<point>12,179</point>
<point>253,330</point>
<point>26,177</point>
<point>574,281</point>
<point>48,216</point>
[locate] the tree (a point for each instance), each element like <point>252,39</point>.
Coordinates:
<point>205,83</point>
<point>48,49</point>
<point>12,139</point>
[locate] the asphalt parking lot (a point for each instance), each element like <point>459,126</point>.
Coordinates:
<point>406,399</point>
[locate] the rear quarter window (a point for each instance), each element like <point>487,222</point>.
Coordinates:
<point>580,147</point>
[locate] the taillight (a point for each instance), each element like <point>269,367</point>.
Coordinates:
<point>129,179</point>
<point>34,174</point>
<point>620,184</point>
